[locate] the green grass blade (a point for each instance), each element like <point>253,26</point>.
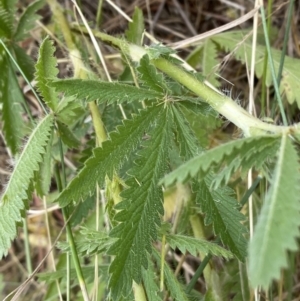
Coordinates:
<point>12,200</point>
<point>278,223</point>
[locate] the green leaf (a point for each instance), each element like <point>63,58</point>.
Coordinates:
<point>24,61</point>
<point>43,175</point>
<point>244,150</point>
<point>140,209</point>
<point>186,140</point>
<point>109,158</point>
<point>278,223</point>
<point>220,210</point>
<point>104,91</point>
<point>195,245</point>
<point>174,287</point>
<point>11,98</point>
<point>66,135</point>
<point>149,75</point>
<point>45,71</point>
<point>28,19</point>
<point>205,57</point>
<point>90,242</point>
<point>11,203</point>
<point>135,31</point>
<point>69,110</point>
<point>289,84</point>
<point>150,281</point>
<point>7,17</point>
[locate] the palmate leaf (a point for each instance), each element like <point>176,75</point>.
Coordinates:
<point>45,71</point>
<point>135,31</point>
<point>110,157</point>
<point>149,75</point>
<point>11,203</point>
<point>11,99</point>
<point>289,84</point>
<point>140,209</point>
<point>278,223</point>
<point>195,245</point>
<point>220,210</point>
<point>244,150</point>
<point>104,91</point>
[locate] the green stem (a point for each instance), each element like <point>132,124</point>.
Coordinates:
<point>80,69</point>
<point>27,247</point>
<point>285,41</point>
<point>198,231</point>
<point>280,104</point>
<point>250,125</point>
<point>265,68</point>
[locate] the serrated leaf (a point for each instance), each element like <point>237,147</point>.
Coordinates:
<point>11,98</point>
<point>7,8</point>
<point>24,61</point>
<point>186,140</point>
<point>209,62</point>
<point>66,135</point>
<point>289,84</point>
<point>150,283</point>
<point>28,19</point>
<point>135,31</point>
<point>43,175</point>
<point>46,70</point>
<point>90,242</point>
<point>109,158</point>
<point>195,245</point>
<point>205,56</point>
<point>278,223</point>
<point>226,153</point>
<point>221,211</point>
<point>174,287</point>
<point>69,110</point>
<point>104,91</point>
<point>141,209</point>
<point>149,75</point>
<point>82,210</point>
<point>12,200</point>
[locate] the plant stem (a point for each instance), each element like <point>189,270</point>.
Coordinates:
<point>61,184</point>
<point>80,70</point>
<point>27,247</point>
<point>262,11</point>
<point>250,125</point>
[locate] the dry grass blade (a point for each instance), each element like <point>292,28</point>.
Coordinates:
<point>189,41</point>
